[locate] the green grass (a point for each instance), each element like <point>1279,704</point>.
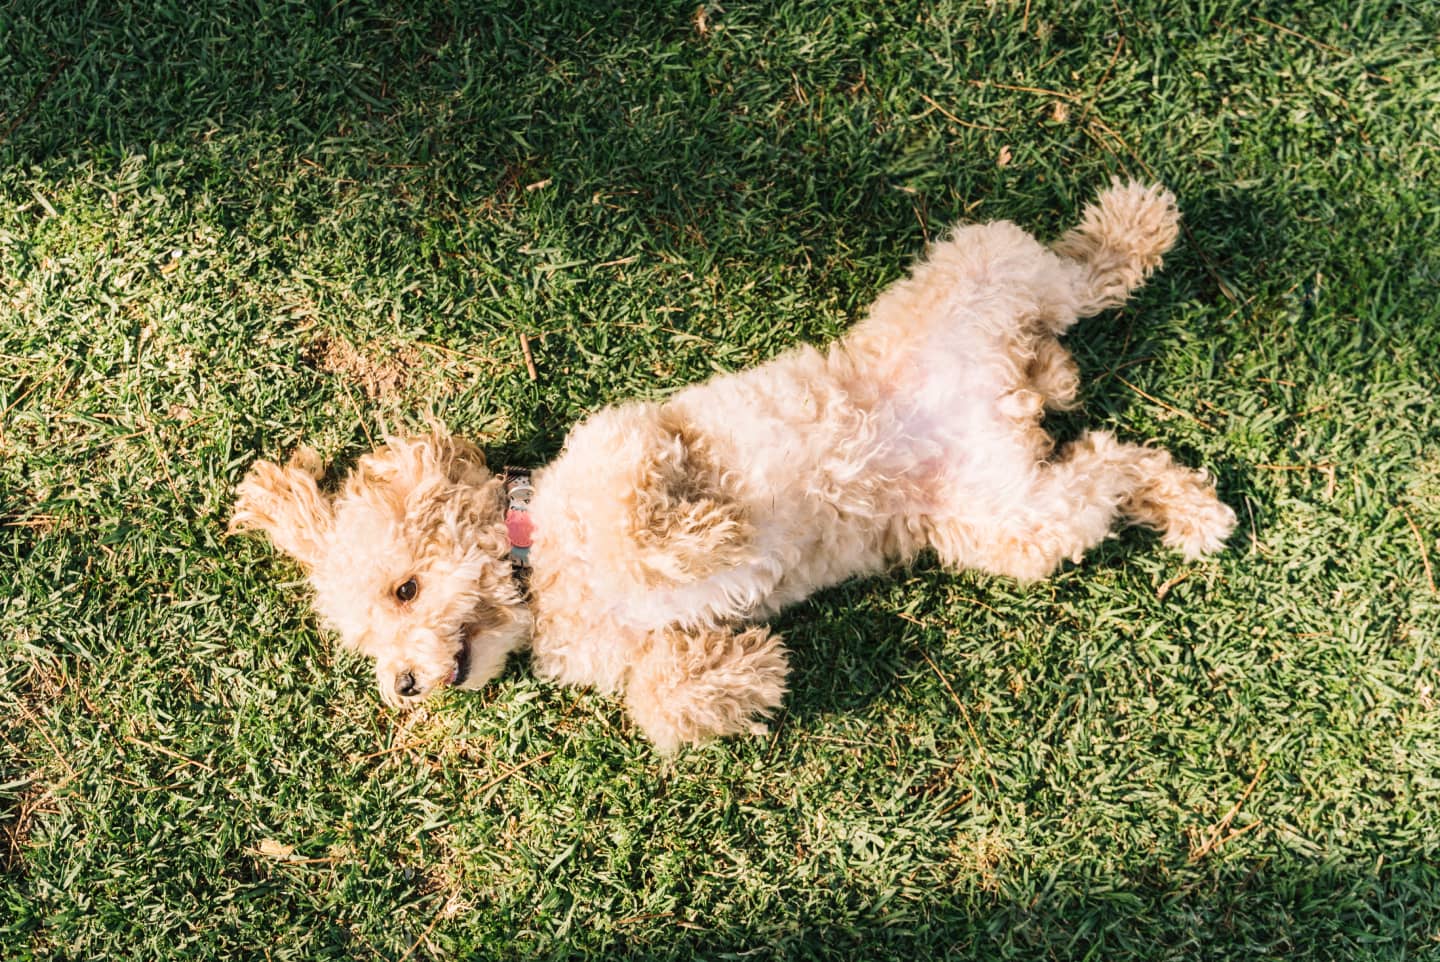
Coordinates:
<point>223,232</point>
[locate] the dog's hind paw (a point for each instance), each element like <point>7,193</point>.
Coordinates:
<point>1200,531</point>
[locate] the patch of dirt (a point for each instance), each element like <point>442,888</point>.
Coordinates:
<point>982,857</point>
<point>383,371</point>
<point>445,878</point>
<point>15,828</point>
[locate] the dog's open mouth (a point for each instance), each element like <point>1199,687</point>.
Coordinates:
<point>462,663</point>
<point>462,660</point>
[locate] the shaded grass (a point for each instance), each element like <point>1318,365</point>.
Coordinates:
<point>200,206</point>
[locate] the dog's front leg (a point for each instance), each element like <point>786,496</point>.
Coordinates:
<point>692,685</point>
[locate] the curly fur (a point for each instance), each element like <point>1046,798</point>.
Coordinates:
<point>664,532</point>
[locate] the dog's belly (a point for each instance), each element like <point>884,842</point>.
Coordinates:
<point>840,475</point>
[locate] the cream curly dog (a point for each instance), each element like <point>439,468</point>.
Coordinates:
<point>666,533</point>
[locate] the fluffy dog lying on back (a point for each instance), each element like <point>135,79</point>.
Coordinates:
<point>666,533</point>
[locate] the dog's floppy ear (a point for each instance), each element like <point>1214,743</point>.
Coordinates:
<point>285,503</point>
<point>403,463</point>
<point>465,463</point>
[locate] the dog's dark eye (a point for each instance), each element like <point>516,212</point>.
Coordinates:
<point>407,591</point>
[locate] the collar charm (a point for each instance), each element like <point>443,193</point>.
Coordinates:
<point>518,526</point>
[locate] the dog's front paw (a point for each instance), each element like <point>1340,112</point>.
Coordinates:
<point>692,686</point>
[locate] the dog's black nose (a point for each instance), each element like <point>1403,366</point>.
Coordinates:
<point>405,685</point>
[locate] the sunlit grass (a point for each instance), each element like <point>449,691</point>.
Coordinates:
<point>227,231</point>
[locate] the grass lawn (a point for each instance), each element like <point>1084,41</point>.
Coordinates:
<point>227,228</point>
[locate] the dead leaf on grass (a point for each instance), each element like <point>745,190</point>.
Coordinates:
<point>270,848</point>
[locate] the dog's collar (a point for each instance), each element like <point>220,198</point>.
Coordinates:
<point>518,525</point>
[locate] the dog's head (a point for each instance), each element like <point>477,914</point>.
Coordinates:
<point>409,559</point>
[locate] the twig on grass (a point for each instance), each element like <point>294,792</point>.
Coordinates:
<point>954,805</point>
<point>34,100</point>
<point>529,358</point>
<point>1326,469</point>
<point>513,770</point>
<point>1096,122</point>
<point>403,746</point>
<point>40,522</point>
<point>1025,90</point>
<point>963,123</point>
<point>5,414</point>
<point>1114,59</point>
<point>1424,554</point>
<point>166,751</point>
<point>54,748</point>
<point>1169,584</point>
<point>1254,541</point>
<point>1172,409</point>
<point>1318,43</point>
<point>775,735</point>
<point>1215,840</point>
<point>160,458</point>
<point>644,918</point>
<point>430,928</point>
<point>1301,36</point>
<point>965,714</point>
<point>365,429</point>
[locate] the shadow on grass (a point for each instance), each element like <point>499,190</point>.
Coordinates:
<point>1220,267</point>
<point>1294,907</point>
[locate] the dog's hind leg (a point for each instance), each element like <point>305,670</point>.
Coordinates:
<point>1119,242</point>
<point>694,685</point>
<point>1073,503</point>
